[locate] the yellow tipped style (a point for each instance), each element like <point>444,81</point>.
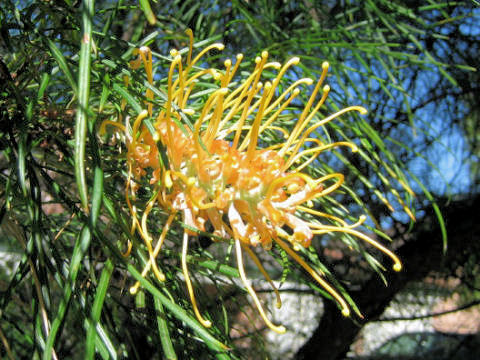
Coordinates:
<point>217,175</point>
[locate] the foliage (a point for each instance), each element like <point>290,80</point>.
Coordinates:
<point>64,219</point>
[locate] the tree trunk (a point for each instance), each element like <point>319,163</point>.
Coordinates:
<point>421,254</point>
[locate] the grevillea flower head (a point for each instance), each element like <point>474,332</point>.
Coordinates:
<point>214,174</point>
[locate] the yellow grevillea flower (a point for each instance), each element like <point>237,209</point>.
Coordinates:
<point>216,172</point>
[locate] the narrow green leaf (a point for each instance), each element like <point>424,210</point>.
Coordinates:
<point>83,106</point>
<point>436,209</point>
<point>104,341</point>
<point>180,314</point>
<point>147,10</point>
<point>140,299</point>
<point>130,99</point>
<point>62,63</point>
<point>427,54</point>
<point>97,194</point>
<point>97,308</point>
<point>105,93</point>
<point>43,85</point>
<point>164,334</point>
<point>81,245</point>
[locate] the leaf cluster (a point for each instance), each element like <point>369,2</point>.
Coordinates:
<point>64,221</point>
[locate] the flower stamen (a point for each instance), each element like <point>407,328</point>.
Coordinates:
<point>343,304</point>
<point>278,329</point>
<point>206,323</point>
<point>216,173</point>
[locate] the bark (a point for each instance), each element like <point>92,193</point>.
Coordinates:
<point>421,253</point>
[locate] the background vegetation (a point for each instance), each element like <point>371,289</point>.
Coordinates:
<point>64,223</point>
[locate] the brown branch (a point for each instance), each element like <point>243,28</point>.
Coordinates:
<point>432,315</point>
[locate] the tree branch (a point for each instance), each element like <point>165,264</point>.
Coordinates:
<point>421,254</point>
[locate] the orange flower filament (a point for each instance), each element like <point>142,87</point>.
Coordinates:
<point>216,172</point>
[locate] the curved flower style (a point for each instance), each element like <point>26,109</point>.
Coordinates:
<point>216,172</point>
